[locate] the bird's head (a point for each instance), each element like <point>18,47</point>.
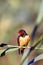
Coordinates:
<point>22,32</point>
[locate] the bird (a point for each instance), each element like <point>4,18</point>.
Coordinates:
<point>23,39</point>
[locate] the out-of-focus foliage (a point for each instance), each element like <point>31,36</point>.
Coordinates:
<point>14,15</point>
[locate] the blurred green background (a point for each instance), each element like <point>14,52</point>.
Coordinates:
<point>14,15</point>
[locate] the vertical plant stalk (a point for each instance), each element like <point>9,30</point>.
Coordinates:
<point>31,49</point>
<point>38,21</point>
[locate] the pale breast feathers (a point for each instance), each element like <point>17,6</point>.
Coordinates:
<point>24,40</point>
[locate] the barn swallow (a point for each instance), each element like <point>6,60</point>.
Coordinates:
<point>22,40</point>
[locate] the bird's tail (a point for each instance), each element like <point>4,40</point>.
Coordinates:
<point>21,51</point>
